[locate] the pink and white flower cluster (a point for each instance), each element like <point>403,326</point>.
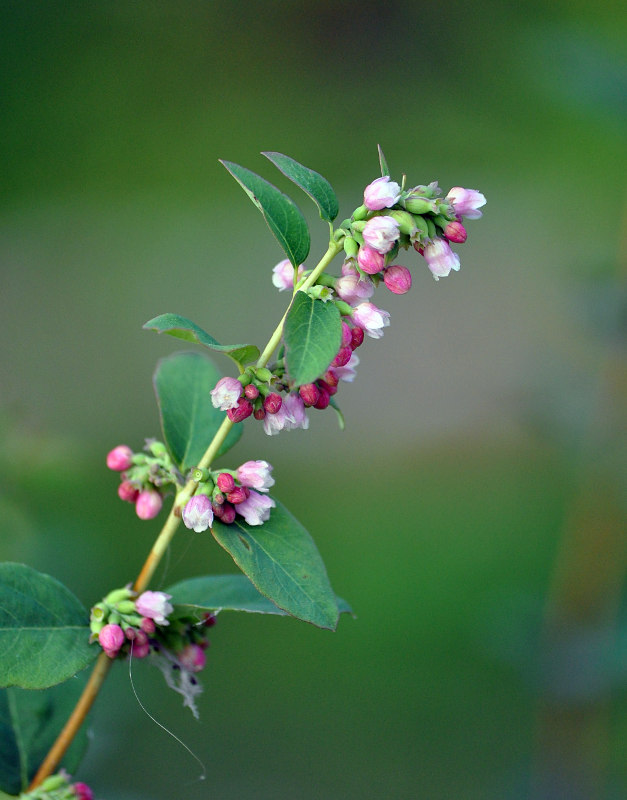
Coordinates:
<point>227,494</point>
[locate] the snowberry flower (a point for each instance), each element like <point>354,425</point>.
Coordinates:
<point>111,639</point>
<point>380,233</point>
<point>120,458</point>
<point>342,357</point>
<point>238,495</point>
<point>225,482</point>
<point>309,393</point>
<point>154,605</point>
<point>192,658</point>
<point>370,260</point>
<point>455,232</point>
<point>226,393</point>
<point>397,279</point>
<point>466,202</point>
<point>275,423</point>
<point>283,275</point>
<point>381,193</point>
<point>440,258</point>
<point>347,372</point>
<point>148,504</point>
<point>242,410</point>
<point>353,289</point>
<point>198,514</point>
<point>256,475</point>
<point>371,319</point>
<point>256,509</point>
<point>297,418</point>
<point>272,403</point>
<point>357,338</point>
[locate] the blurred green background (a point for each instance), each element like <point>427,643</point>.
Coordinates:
<point>472,512</point>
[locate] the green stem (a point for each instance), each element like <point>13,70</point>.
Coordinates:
<point>65,738</point>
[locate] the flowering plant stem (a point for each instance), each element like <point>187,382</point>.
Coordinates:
<point>161,544</point>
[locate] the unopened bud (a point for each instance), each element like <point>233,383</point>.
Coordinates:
<point>128,492</point>
<point>323,400</point>
<point>225,482</point>
<point>148,504</point>
<point>351,247</point>
<point>242,410</point>
<point>120,458</point>
<point>309,393</point>
<point>238,495</point>
<point>455,232</point>
<point>418,204</point>
<point>273,403</point>
<point>259,413</point>
<point>228,514</point>
<point>251,391</point>
<point>357,337</point>
<point>397,279</point>
<point>343,357</point>
<point>264,374</point>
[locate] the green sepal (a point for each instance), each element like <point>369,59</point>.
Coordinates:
<point>311,182</point>
<point>182,328</point>
<point>282,215</point>
<point>312,335</point>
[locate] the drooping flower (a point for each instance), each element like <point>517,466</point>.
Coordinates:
<point>154,605</point>
<point>370,260</point>
<point>380,233</point>
<point>397,279</point>
<point>297,418</point>
<point>256,475</point>
<point>256,508</point>
<point>120,458</point>
<point>148,504</point>
<point>111,639</point>
<point>275,423</point>
<point>440,258</point>
<point>381,193</point>
<point>371,319</point>
<point>226,393</point>
<point>353,289</point>
<point>283,275</point>
<point>466,202</point>
<point>198,513</point>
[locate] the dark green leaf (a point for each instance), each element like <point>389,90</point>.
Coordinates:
<point>385,170</point>
<point>30,722</point>
<point>281,559</point>
<point>182,328</point>
<point>44,630</point>
<point>312,183</point>
<point>189,421</point>
<point>228,593</point>
<point>283,217</point>
<point>313,335</point>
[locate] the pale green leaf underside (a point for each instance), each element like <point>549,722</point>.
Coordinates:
<point>44,630</point>
<point>283,217</point>
<point>312,335</point>
<point>311,182</point>
<point>282,561</point>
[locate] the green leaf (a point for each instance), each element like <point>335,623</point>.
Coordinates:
<point>30,722</point>
<point>182,328</point>
<point>189,421</point>
<point>283,217</point>
<point>229,593</point>
<point>340,416</point>
<point>281,559</point>
<point>313,335</point>
<point>44,630</point>
<point>385,170</point>
<point>312,183</point>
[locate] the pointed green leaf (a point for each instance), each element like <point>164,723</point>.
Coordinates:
<point>313,335</point>
<point>228,593</point>
<point>44,629</point>
<point>283,217</point>
<point>385,170</point>
<point>189,421</point>
<point>312,183</point>
<point>281,559</point>
<point>30,722</point>
<point>182,328</point>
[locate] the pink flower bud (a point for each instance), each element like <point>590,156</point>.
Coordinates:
<point>370,260</point>
<point>111,639</point>
<point>148,625</point>
<point>343,357</point>
<point>251,391</point>
<point>329,388</point>
<point>455,232</point>
<point>259,413</point>
<point>243,410</point>
<point>353,289</point>
<point>238,495</point>
<point>82,791</point>
<point>283,275</point>
<point>256,508</point>
<point>226,482</point>
<point>198,513</point>
<point>346,334</point>
<point>140,650</point>
<point>381,193</point>
<point>381,233</point>
<point>192,658</point>
<point>309,393</point>
<point>440,258</point>
<point>128,492</point>
<point>155,606</point>
<point>272,403</point>
<point>228,513</point>
<point>148,504</point>
<point>357,338</point>
<point>371,319</point>
<point>348,372</point>
<point>120,458</point>
<point>324,399</point>
<point>397,279</point>
<point>256,475</point>
<point>226,393</point>
<point>330,378</point>
<point>466,202</point>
